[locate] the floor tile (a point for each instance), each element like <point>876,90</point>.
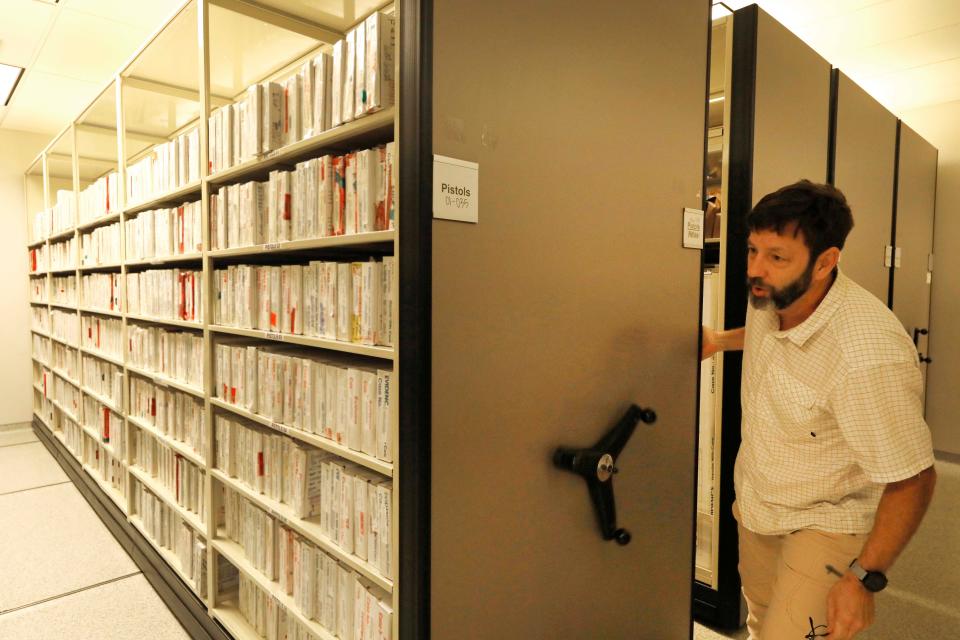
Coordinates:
<point>17,436</point>
<point>120,610</point>
<point>51,543</point>
<point>27,466</point>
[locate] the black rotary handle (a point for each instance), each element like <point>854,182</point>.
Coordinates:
<point>597,465</point>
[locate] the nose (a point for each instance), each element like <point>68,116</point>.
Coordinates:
<point>755,266</point>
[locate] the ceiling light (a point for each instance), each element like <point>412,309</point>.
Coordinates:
<point>9,77</point>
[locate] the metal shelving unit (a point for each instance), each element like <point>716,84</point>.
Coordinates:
<point>151,100</point>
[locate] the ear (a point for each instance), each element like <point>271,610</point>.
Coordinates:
<point>826,263</point>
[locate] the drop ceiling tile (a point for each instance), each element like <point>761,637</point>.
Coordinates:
<point>148,15</point>
<point>87,47</point>
<point>22,30</point>
<point>47,103</point>
<point>878,23</point>
<point>931,47</point>
<point>912,88</point>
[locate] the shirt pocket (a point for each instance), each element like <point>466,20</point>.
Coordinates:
<point>797,409</point>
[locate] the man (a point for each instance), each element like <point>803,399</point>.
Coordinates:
<point>835,470</point>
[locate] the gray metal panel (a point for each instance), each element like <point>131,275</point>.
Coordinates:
<point>570,300</point>
<point>916,199</point>
<point>866,148</point>
<point>792,110</point>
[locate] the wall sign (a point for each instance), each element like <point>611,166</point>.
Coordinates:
<point>456,190</point>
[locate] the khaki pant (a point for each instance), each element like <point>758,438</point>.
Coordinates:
<point>786,579</point>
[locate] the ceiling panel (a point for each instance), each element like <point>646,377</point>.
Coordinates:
<point>46,103</point>
<point>929,84</point>
<point>148,15</point>
<point>23,29</point>
<point>87,47</point>
<point>931,47</point>
<point>338,15</point>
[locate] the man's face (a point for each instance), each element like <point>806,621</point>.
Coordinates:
<point>779,268</point>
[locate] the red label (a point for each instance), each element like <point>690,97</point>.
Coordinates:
<point>153,407</point>
<point>106,424</point>
<point>286,206</point>
<point>273,319</point>
<point>260,463</point>
<point>233,395</point>
<point>293,320</point>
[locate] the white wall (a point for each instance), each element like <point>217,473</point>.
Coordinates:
<point>17,150</point>
<point>940,125</point>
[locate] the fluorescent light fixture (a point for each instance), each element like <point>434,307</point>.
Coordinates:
<point>720,10</point>
<point>9,77</point>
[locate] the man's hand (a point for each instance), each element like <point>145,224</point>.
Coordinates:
<point>710,345</point>
<point>849,608</point>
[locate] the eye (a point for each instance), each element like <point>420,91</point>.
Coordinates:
<point>751,251</point>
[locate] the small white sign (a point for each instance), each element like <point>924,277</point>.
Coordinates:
<point>692,229</point>
<point>456,189</point>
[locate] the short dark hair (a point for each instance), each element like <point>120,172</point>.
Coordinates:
<point>820,211</point>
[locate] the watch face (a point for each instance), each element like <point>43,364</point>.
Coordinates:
<point>874,581</point>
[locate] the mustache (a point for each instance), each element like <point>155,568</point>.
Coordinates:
<point>758,282</point>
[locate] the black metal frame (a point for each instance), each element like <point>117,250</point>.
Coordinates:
<point>189,611</point>
<point>416,246</point>
<point>893,223</point>
<point>720,607</point>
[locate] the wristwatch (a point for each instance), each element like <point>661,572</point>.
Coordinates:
<point>873,581</point>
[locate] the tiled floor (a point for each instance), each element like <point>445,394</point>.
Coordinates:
<point>62,574</point>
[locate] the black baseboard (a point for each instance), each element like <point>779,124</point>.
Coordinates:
<point>189,610</point>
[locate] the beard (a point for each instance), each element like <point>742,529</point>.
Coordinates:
<point>783,297</point>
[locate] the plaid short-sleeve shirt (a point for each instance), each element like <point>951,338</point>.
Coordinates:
<point>832,411</point>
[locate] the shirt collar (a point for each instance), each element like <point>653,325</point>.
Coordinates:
<point>799,334</point>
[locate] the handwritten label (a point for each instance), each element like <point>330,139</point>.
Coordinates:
<point>271,246</point>
<point>273,335</point>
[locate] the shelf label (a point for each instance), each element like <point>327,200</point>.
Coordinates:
<point>456,189</point>
<point>271,246</point>
<point>692,229</point>
<point>273,335</point>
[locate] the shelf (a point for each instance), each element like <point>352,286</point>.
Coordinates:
<point>163,381</point>
<point>61,270</point>
<point>38,274</point>
<point>56,404</point>
<point>374,464</point>
<point>40,333</point>
<point>99,267</point>
<point>63,342</point>
<point>234,553</point>
<point>167,321</point>
<point>169,556</point>
<point>180,447</point>
<point>66,307</point>
<point>383,353</point>
<point>306,528</point>
<point>117,497</point>
<point>103,356</point>
<point>346,137</point>
<point>353,240</point>
<point>90,431</point>
<point>61,235</point>
<point>42,304</point>
<point>63,374</point>
<point>228,613</point>
<point>152,262</point>
<point>101,312</point>
<point>177,196</point>
<point>98,222</point>
<point>39,361</point>
<point>35,243</point>
<point>108,403</point>
<point>167,496</point>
